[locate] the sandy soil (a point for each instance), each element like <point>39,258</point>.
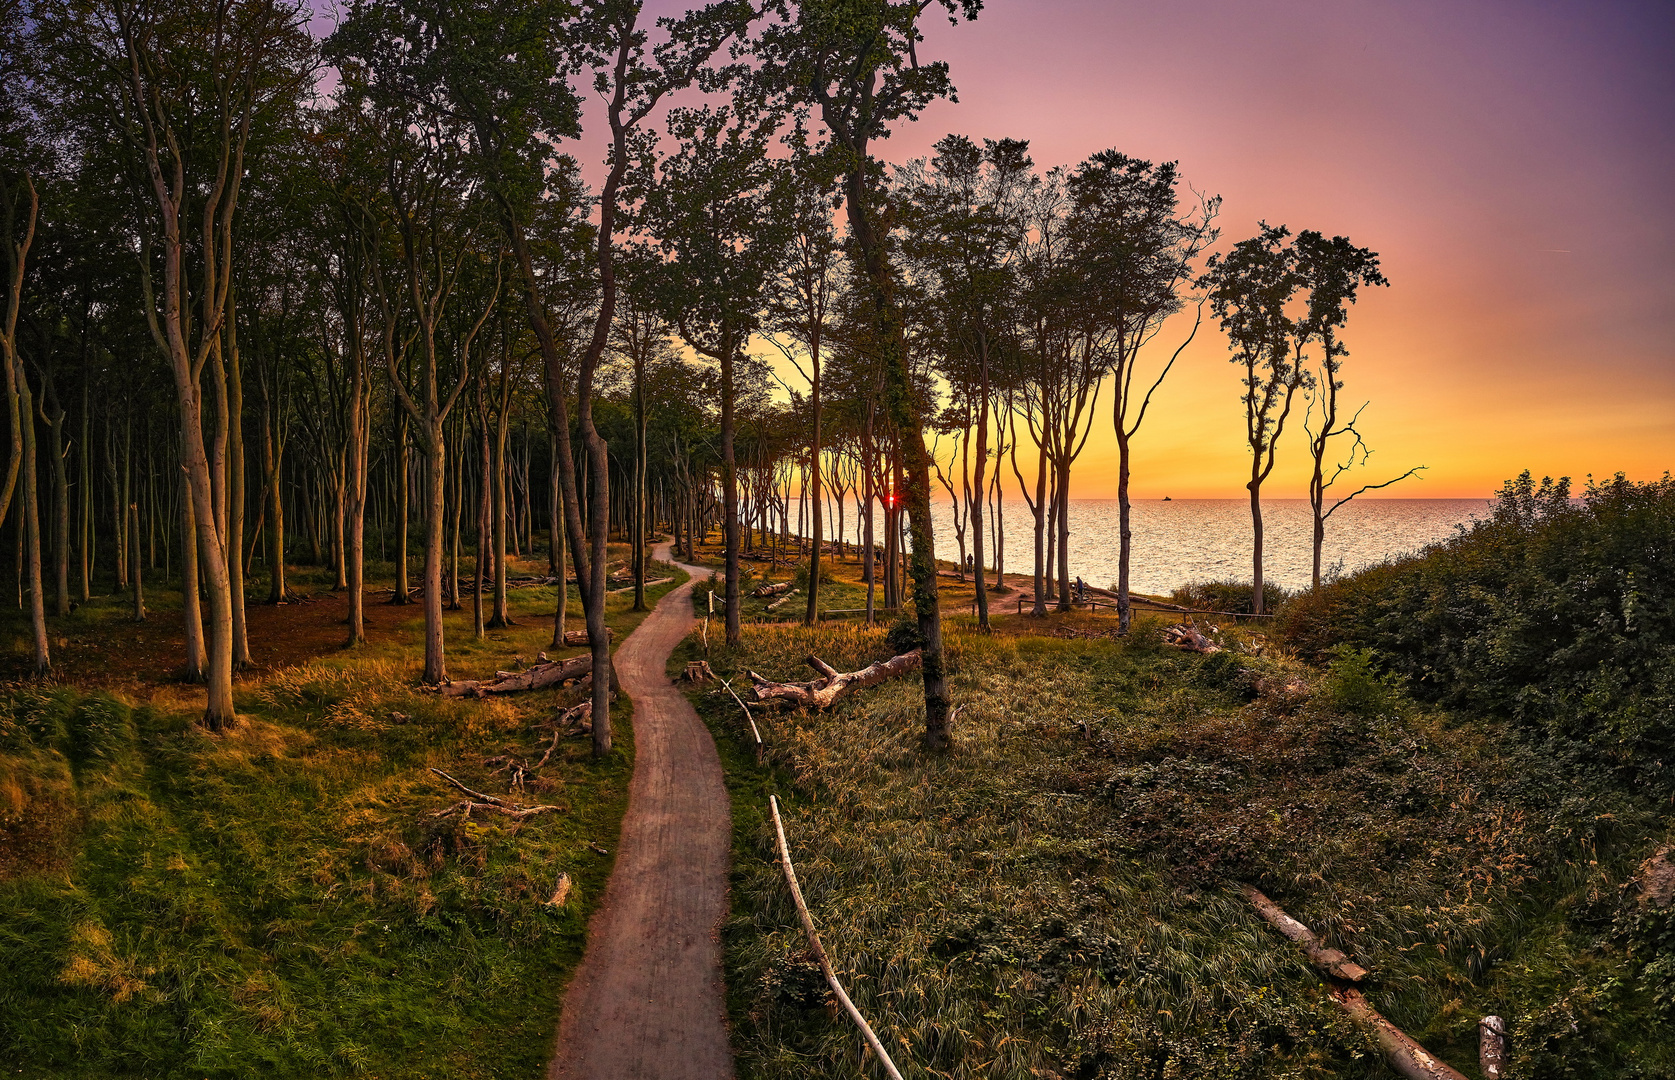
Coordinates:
<point>647,1000</point>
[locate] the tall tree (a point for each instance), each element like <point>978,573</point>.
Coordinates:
<point>1137,248</point>
<point>856,62</point>
<point>1334,271</point>
<point>711,208</point>
<point>19,213</point>
<point>965,228</point>
<point>1251,288</point>
<point>800,301</point>
<point>194,79</point>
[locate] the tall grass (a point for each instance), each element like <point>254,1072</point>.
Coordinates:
<point>1053,897</point>
<point>280,900</point>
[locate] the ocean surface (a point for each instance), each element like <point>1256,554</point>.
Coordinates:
<point>1190,540</point>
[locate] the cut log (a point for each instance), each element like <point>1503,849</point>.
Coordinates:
<point>538,677</point>
<point>834,685</point>
<point>773,589</point>
<point>1491,1047</point>
<point>775,605</point>
<point>576,638</point>
<point>1324,957</point>
<point>1404,1055</point>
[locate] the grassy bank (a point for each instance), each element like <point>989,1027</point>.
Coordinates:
<point>1055,897</point>
<point>280,900</point>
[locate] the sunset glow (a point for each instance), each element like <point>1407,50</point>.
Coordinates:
<point>1509,163</point>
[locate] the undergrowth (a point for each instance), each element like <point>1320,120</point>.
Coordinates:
<point>1055,896</point>
<point>281,900</point>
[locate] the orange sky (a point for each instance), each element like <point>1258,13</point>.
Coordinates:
<point>1511,163</point>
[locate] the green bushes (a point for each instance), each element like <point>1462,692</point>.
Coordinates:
<point>1556,612</point>
<point>1229,595</point>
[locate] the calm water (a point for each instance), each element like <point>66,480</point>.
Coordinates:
<point>1202,539</point>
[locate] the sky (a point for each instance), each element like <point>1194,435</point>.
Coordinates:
<point>1513,164</point>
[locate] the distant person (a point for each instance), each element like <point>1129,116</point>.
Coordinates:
<point>1081,590</point>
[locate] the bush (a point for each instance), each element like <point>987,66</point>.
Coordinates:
<point>1230,595</point>
<point>1556,612</point>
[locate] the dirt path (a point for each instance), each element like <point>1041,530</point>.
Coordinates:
<point>647,1000</point>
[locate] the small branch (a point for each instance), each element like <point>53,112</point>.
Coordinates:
<point>820,952</point>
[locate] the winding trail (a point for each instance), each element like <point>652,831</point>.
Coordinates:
<point>647,1001</point>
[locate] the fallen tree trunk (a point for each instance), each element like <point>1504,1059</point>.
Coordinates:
<point>822,693</point>
<point>773,589</point>
<point>1324,957</point>
<point>577,638</point>
<point>1404,1055</point>
<point>554,673</point>
<point>776,604</point>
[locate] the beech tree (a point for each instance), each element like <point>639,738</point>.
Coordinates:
<point>857,64</point>
<point>1136,248</point>
<point>1334,272</point>
<point>193,80</point>
<point>1251,288</point>
<point>965,226</point>
<point>711,209</point>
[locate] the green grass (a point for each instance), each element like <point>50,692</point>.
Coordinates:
<point>280,901</point>
<point>1055,896</point>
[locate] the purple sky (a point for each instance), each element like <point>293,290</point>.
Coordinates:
<point>1513,164</point>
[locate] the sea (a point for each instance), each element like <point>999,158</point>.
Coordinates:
<point>1183,541</point>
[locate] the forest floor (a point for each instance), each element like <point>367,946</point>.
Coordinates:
<point>283,899</point>
<point>1057,896</point>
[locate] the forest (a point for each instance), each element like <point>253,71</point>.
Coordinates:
<point>355,362</point>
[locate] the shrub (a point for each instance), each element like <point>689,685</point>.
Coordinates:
<point>1556,612</point>
<point>1230,595</point>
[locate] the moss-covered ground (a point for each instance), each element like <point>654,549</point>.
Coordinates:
<point>280,900</point>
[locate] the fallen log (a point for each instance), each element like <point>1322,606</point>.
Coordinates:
<point>772,589</point>
<point>577,638</point>
<point>775,605</point>
<point>649,584</point>
<point>538,677</point>
<point>1324,957</point>
<point>1404,1055</point>
<point>834,685</point>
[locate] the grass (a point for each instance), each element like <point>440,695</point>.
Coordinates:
<point>1054,897</point>
<point>279,900</point>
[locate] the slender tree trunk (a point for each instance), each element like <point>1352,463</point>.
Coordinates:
<point>500,512</point>
<point>639,515</point>
<point>730,494</point>
<point>191,604</point>
<point>84,463</point>
<point>402,593</point>
<point>1125,535</point>
<point>813,610</point>
<point>30,521</point>
<point>234,534</point>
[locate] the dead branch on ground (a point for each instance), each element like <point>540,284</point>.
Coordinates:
<point>835,685</point>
